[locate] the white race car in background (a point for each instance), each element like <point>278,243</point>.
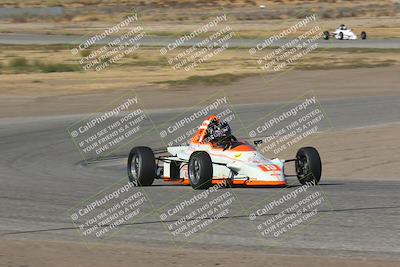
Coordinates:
<point>204,163</point>
<point>344,33</point>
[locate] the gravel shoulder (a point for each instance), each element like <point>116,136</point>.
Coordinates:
<point>51,253</point>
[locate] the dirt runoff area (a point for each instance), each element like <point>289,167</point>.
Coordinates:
<point>370,153</point>
<point>59,99</point>
<point>18,253</point>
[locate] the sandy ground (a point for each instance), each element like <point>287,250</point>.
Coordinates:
<point>55,98</point>
<point>366,153</point>
<point>50,253</point>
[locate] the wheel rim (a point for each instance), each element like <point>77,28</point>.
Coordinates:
<point>135,167</point>
<point>303,167</point>
<point>194,171</point>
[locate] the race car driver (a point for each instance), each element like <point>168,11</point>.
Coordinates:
<point>219,134</point>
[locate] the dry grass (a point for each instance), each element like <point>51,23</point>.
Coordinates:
<point>194,10</point>
<point>384,27</point>
<point>380,18</point>
<point>182,3</point>
<point>147,66</point>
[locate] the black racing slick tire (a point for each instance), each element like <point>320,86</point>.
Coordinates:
<point>200,170</point>
<point>308,165</point>
<point>326,35</point>
<point>141,166</point>
<point>363,35</point>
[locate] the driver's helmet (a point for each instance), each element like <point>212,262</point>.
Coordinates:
<point>218,131</point>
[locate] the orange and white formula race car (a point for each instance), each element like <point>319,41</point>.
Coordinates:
<point>213,156</point>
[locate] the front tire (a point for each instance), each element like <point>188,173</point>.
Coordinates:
<point>141,166</point>
<point>308,165</point>
<point>200,170</point>
<point>326,35</point>
<point>341,35</point>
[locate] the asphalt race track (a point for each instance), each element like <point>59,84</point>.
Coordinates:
<point>42,177</point>
<point>36,39</point>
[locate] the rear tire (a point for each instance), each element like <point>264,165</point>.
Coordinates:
<point>141,166</point>
<point>200,170</point>
<point>308,165</point>
<point>363,35</point>
<point>326,35</point>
